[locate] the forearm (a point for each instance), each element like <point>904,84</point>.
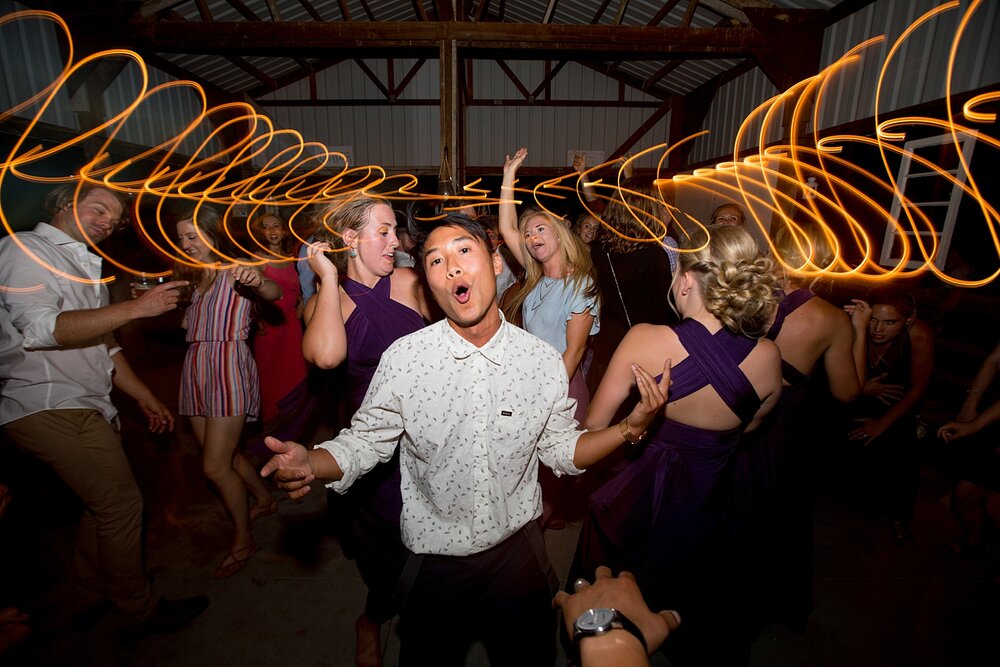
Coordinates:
<point>81,327</point>
<point>268,290</point>
<point>324,466</point>
<point>571,359</point>
<point>507,217</point>
<point>126,379</point>
<point>592,446</point>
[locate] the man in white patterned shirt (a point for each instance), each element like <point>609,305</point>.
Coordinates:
<point>474,403</point>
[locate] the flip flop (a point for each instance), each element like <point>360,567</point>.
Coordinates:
<point>238,559</point>
<point>267,510</point>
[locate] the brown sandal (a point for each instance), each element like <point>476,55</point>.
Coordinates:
<point>257,511</point>
<point>238,559</point>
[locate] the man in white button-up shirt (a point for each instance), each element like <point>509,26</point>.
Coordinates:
<point>57,365</point>
<point>473,403</point>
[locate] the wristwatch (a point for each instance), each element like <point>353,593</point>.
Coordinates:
<point>594,622</point>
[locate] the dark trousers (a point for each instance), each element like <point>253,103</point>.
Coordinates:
<point>501,596</point>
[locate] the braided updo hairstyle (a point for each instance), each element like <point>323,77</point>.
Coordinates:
<point>737,284</point>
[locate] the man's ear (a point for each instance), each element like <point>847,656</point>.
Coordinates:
<point>497,262</point>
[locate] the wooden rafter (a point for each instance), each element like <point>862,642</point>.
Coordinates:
<point>345,13</point>
<point>408,77</point>
<point>519,40</point>
<point>662,13</point>
<point>641,131</point>
<point>689,13</point>
<point>513,77</point>
<point>433,102</point>
<point>251,70</point>
<point>372,76</point>
<point>154,7</point>
<point>549,11</point>
<point>600,12</point>
<point>203,11</point>
<point>292,77</point>
<point>444,9</point>
<point>273,10</point>
<point>725,10</point>
<point>482,10</point>
<point>621,77</point>
<point>247,13</point>
<point>418,9</point>
<point>620,14</point>
<point>368,10</point>
<point>845,9</point>
<point>310,10</point>
<point>551,74</point>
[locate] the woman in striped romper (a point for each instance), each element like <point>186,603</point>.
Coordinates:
<point>219,384</point>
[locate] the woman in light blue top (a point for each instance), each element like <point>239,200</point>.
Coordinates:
<point>559,300</point>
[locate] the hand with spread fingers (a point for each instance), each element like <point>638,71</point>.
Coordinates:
<point>621,593</point>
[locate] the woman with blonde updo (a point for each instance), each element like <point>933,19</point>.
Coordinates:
<point>662,516</point>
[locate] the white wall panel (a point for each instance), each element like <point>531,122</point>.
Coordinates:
<point>25,76</point>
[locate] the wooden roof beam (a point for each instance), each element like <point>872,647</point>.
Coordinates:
<point>513,40</point>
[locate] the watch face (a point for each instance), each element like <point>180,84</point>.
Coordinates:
<point>595,619</point>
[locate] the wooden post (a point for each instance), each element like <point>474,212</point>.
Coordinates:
<point>451,113</point>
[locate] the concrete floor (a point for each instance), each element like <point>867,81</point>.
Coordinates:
<point>297,599</point>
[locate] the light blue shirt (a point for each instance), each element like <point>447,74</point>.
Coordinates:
<point>551,305</point>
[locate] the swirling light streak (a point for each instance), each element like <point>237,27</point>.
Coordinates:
<point>303,175</point>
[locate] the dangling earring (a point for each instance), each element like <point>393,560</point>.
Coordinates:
<point>352,253</point>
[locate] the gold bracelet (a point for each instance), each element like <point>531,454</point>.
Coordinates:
<point>630,437</point>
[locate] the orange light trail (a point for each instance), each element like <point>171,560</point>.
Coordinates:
<point>196,166</point>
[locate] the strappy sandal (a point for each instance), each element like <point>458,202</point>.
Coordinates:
<point>256,512</point>
<point>237,559</point>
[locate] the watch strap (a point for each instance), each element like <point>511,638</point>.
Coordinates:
<point>619,622</point>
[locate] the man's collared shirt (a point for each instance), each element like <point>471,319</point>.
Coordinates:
<point>35,373</point>
<point>472,424</point>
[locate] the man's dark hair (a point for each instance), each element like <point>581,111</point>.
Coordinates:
<point>421,227</point>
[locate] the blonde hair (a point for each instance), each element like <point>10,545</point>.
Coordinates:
<point>803,253</point>
<point>340,215</point>
<point>737,284</point>
<point>575,261</point>
<point>634,217</point>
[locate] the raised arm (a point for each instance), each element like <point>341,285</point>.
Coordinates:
<point>861,314</point>
<point>324,342</point>
<point>840,359</point>
<point>618,379</point>
<point>508,209</point>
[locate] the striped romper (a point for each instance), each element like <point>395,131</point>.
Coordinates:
<point>219,377</point>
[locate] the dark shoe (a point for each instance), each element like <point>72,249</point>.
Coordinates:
<point>169,616</point>
<point>88,619</point>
